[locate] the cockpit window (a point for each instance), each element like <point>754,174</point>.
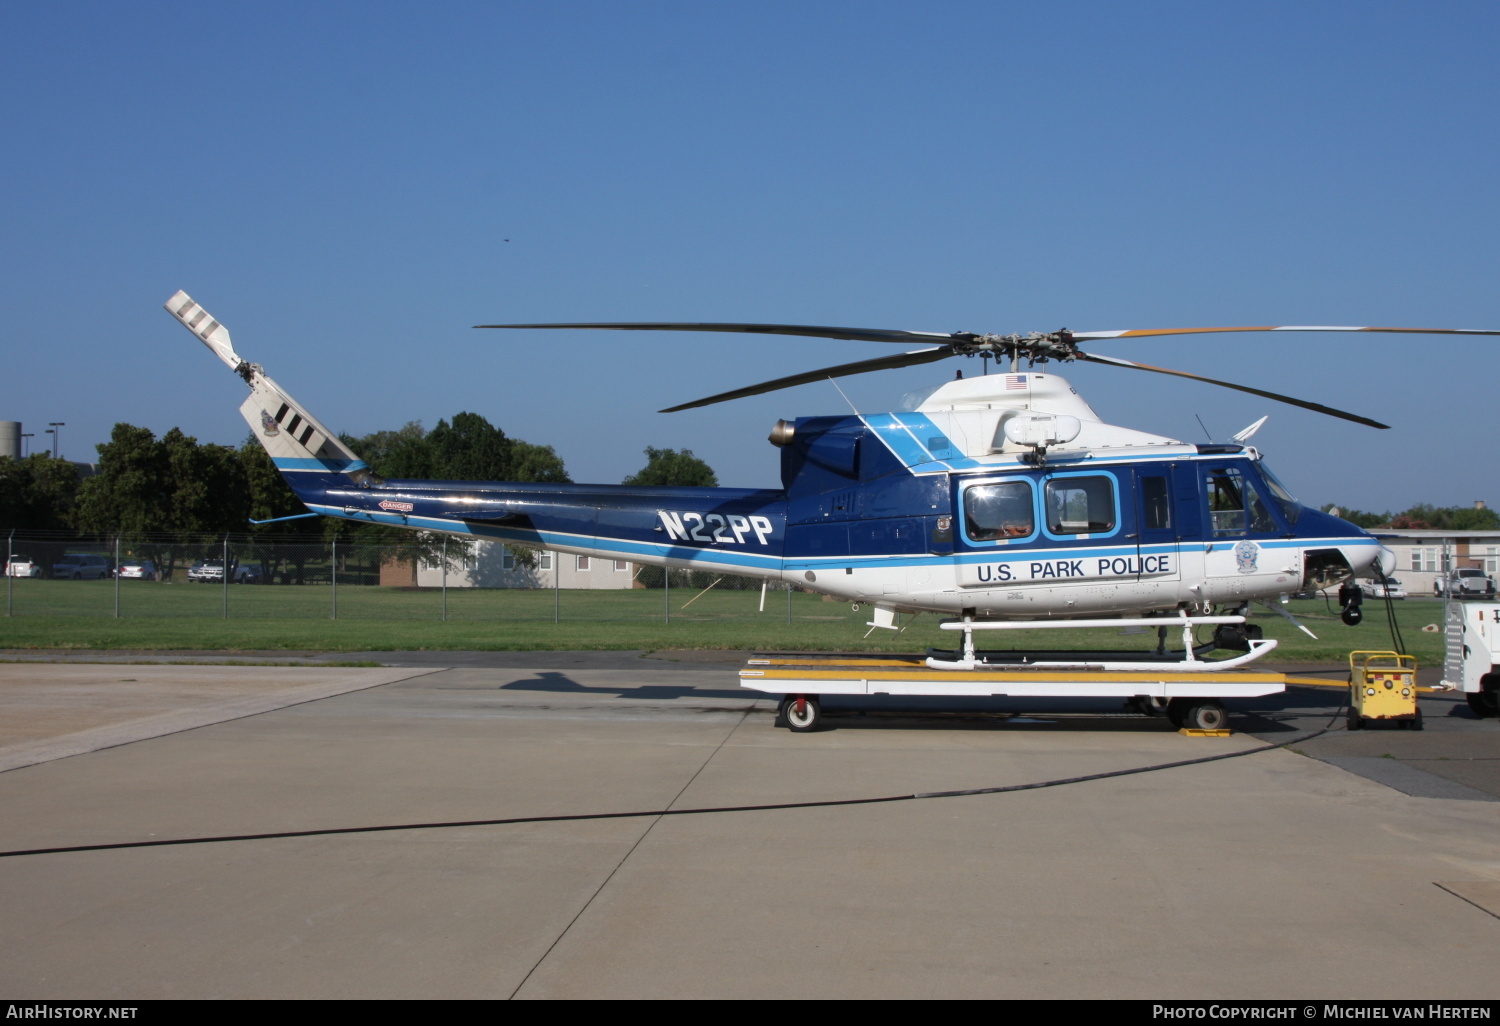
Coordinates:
<point>993,512</point>
<point>1290,507</point>
<point>1235,505</point>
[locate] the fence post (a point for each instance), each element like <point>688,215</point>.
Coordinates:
<point>666,593</point>
<point>333,577</point>
<point>224,604</point>
<point>117,577</point>
<point>445,578</point>
<point>788,602</point>
<point>556,585</point>
<point>10,552</point>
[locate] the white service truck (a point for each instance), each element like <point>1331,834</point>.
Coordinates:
<point>1471,662</point>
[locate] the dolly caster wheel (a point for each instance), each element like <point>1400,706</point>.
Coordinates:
<point>1482,703</point>
<point>1208,715</point>
<point>1356,722</point>
<point>801,713</point>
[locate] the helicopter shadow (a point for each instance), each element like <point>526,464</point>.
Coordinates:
<point>554,682</point>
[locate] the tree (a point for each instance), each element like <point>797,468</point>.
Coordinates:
<point>469,449</point>
<point>130,496</point>
<point>37,493</point>
<point>673,467</point>
<point>1358,517</point>
<point>403,453</point>
<point>536,463</point>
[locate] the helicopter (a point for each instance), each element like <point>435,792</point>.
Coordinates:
<point>1000,500</point>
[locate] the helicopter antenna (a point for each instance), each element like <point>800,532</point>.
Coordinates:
<point>1204,427</point>
<point>835,384</point>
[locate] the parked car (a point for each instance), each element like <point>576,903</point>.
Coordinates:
<point>141,569</point>
<point>82,566</point>
<point>1380,587</point>
<point>23,566</point>
<point>1466,582</point>
<point>212,571</point>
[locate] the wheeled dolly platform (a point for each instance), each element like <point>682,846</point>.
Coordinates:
<point>1191,698</point>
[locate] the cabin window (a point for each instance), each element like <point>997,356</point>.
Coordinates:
<point>1080,505</point>
<point>994,512</point>
<point>1156,505</point>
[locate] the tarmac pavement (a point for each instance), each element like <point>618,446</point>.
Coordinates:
<point>1277,874</point>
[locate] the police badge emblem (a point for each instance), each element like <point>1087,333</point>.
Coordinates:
<point>1245,555</point>
<point>268,424</point>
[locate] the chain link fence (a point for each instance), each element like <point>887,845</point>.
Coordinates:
<point>51,574</point>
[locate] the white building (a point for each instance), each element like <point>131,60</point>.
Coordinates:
<point>1423,556</point>
<point>492,565</point>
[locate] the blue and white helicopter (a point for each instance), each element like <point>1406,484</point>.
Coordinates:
<point>1000,500</point>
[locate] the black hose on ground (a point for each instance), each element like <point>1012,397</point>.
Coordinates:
<point>334,831</point>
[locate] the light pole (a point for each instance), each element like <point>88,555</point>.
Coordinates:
<point>52,429</point>
<point>25,444</point>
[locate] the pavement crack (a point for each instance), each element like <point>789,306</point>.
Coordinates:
<point>626,857</point>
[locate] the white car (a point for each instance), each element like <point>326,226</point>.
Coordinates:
<point>23,566</point>
<point>140,569</point>
<point>1382,587</point>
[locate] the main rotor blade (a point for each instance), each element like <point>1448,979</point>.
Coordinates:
<point>1315,407</point>
<point>911,359</point>
<point>809,330</point>
<point>1144,332</point>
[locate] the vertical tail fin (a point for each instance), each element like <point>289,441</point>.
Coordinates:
<point>295,440</point>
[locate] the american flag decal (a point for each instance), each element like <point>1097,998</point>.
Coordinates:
<point>1014,381</point>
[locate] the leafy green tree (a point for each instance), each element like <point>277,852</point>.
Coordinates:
<point>470,449</point>
<point>403,453</point>
<point>131,496</point>
<point>37,493</point>
<point>1467,518</point>
<point>673,467</point>
<point>1358,517</point>
<point>536,463</point>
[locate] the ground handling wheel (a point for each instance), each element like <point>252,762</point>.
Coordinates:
<point>1356,721</point>
<point>1483,703</point>
<point>801,713</point>
<point>1204,714</point>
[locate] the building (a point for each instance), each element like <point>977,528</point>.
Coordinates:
<point>1423,556</point>
<point>492,565</point>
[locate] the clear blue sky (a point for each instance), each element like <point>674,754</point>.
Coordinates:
<point>337,182</point>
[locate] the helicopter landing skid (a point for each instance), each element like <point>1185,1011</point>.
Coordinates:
<point>1188,660</point>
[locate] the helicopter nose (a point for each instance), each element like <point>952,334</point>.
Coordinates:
<point>1385,559</point>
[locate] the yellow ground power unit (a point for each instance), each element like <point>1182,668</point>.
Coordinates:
<point>1383,686</point>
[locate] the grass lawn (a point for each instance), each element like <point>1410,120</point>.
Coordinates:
<point>80,615</point>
